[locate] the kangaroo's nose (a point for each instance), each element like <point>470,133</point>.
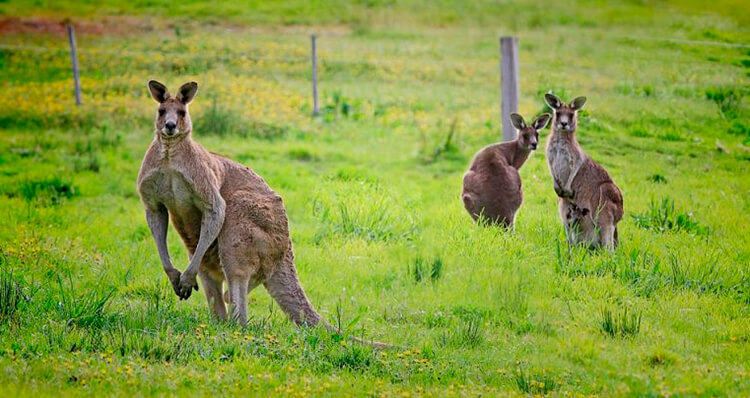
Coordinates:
<point>170,125</point>
<point>533,145</point>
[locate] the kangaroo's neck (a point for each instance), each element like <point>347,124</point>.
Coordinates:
<point>518,155</point>
<point>171,148</point>
<point>567,140</point>
<point>566,137</point>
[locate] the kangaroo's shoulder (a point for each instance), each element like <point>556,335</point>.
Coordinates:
<point>150,162</point>
<point>491,155</point>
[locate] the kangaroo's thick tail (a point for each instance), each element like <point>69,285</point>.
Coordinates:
<point>283,285</point>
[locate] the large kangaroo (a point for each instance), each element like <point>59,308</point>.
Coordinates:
<point>492,186</point>
<point>232,223</point>
<point>581,182</point>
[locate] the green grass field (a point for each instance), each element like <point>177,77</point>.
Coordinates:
<point>384,248</point>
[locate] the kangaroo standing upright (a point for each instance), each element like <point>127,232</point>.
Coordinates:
<point>492,186</point>
<point>580,182</point>
<point>232,223</point>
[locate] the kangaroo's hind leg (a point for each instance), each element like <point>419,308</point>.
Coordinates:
<point>241,268</point>
<point>251,284</point>
<point>607,229</point>
<point>212,288</point>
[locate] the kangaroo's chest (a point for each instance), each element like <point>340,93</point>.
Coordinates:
<point>175,191</point>
<point>562,158</point>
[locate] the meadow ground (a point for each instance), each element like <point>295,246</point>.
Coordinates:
<point>383,245</point>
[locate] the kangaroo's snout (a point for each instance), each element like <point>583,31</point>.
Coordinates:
<point>170,127</point>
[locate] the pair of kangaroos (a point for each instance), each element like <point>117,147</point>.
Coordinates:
<point>590,203</point>
<point>236,229</point>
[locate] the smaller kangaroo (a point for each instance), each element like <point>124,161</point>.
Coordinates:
<point>492,186</point>
<point>575,218</point>
<point>581,182</point>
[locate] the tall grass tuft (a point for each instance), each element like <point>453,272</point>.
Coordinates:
<point>662,217</point>
<point>436,271</point>
<point>218,120</point>
<point>422,269</point>
<point>85,309</point>
<point>534,383</point>
<point>623,323</point>
<point>447,148</point>
<point>418,271</point>
<point>11,296</point>
<point>469,333</point>
<point>368,214</point>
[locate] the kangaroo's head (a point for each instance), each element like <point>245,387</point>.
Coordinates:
<point>172,119</point>
<point>575,214</point>
<point>566,119</point>
<point>528,134</point>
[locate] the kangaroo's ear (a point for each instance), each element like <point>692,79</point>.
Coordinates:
<point>553,101</point>
<point>517,121</point>
<point>158,91</point>
<point>187,92</point>
<point>578,103</point>
<point>541,121</point>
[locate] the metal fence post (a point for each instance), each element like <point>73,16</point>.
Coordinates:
<point>316,108</point>
<point>508,84</point>
<point>74,60</point>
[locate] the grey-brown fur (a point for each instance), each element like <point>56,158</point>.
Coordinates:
<point>232,223</point>
<point>580,181</point>
<point>492,186</point>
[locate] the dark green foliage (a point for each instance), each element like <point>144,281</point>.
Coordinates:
<point>338,106</point>
<point>622,323</point>
<point>352,357</point>
<point>729,100</point>
<point>12,296</point>
<point>423,268</point>
<point>436,271</point>
<point>418,271</point>
<point>47,191</point>
<point>661,216</point>
<point>302,155</point>
<point>657,178</point>
<point>739,127</point>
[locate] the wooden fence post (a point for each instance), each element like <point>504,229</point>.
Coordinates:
<point>74,59</point>
<point>316,108</point>
<point>508,84</point>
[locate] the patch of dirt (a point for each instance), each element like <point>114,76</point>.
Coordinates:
<point>124,25</point>
<point>115,26</point>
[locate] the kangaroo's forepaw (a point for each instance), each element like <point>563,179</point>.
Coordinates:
<point>558,189</point>
<point>174,279</point>
<point>562,192</point>
<point>187,283</point>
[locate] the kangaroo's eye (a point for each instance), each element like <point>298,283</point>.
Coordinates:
<point>181,113</point>
<point>161,112</point>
